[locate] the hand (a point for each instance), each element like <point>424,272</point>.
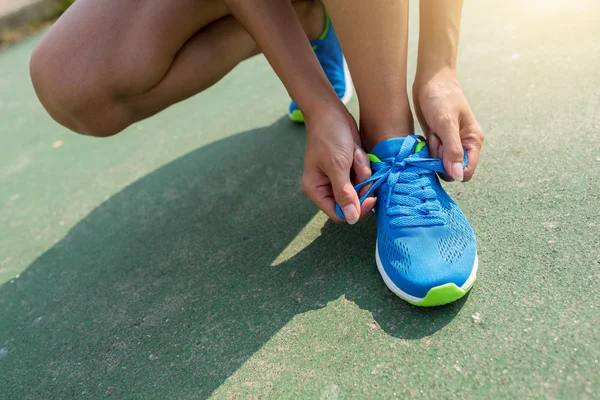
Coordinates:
<point>448,122</point>
<point>333,155</point>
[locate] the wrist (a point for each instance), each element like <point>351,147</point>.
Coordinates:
<point>320,109</point>
<point>431,64</point>
<point>429,72</point>
<point>439,33</point>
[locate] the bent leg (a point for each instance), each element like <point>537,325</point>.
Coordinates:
<point>106,64</point>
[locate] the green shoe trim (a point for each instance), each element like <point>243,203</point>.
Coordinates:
<point>327,24</point>
<point>373,158</point>
<point>297,116</point>
<point>441,295</point>
<point>420,146</point>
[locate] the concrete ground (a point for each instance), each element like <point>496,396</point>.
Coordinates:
<point>180,259</point>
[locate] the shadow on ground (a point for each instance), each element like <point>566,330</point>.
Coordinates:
<point>169,286</point>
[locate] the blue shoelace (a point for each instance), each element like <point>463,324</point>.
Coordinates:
<point>411,201</point>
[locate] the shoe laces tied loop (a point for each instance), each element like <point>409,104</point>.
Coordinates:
<point>411,200</point>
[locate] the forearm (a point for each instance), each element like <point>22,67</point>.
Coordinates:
<point>439,30</point>
<point>440,104</point>
<point>276,29</point>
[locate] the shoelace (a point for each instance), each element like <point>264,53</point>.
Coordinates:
<point>411,201</point>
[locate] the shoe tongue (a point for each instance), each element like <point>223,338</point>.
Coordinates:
<point>391,147</point>
<point>388,148</point>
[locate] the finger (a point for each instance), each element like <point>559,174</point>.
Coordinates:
<point>436,150</point>
<point>444,177</point>
<point>367,206</point>
<point>434,143</point>
<point>472,140</point>
<point>362,169</point>
<point>473,156</point>
<point>362,172</point>
<point>338,172</point>
<point>453,154</point>
<point>321,195</point>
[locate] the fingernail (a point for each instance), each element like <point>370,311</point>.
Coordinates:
<point>360,156</point>
<point>457,171</point>
<point>351,214</point>
<point>440,151</point>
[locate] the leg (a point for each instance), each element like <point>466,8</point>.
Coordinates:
<point>426,250</point>
<point>109,63</point>
<point>384,106</point>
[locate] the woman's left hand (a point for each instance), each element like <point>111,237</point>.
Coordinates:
<point>448,122</point>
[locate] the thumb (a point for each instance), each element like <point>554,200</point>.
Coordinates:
<point>348,204</point>
<point>453,154</point>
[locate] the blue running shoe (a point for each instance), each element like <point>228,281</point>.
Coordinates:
<point>329,54</point>
<point>426,250</point>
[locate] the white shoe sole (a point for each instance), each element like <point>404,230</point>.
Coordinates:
<point>413,299</point>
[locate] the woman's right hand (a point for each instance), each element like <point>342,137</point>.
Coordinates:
<point>333,155</point>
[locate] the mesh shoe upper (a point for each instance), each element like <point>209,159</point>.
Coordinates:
<point>423,238</point>
<point>419,258</point>
<point>329,53</point>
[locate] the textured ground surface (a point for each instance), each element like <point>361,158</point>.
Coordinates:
<point>181,259</point>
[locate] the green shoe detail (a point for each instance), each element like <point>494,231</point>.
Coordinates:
<point>418,148</point>
<point>441,295</point>
<point>297,116</point>
<point>373,158</point>
<point>327,24</point>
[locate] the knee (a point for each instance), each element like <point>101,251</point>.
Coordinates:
<point>80,106</point>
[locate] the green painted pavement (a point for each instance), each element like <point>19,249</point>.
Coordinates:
<point>181,259</point>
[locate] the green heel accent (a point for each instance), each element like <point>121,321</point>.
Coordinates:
<point>297,116</point>
<point>441,295</point>
<point>327,24</point>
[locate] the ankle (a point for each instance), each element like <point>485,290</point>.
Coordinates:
<point>312,16</point>
<point>375,129</point>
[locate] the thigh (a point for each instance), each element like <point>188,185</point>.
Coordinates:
<point>123,47</point>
